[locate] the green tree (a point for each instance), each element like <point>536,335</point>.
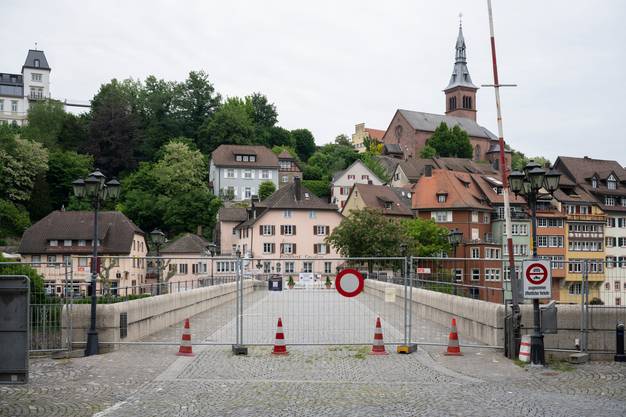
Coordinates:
<point>450,142</point>
<point>266,189</point>
<point>320,188</point>
<point>372,163</point>
<point>21,162</point>
<point>428,152</point>
<point>114,133</point>
<point>45,122</point>
<point>13,219</point>
<point>367,233</point>
<point>425,237</point>
<point>329,159</point>
<point>37,294</point>
<point>343,140</point>
<point>74,132</point>
<point>195,102</point>
<point>262,112</point>
<point>231,124</point>
<point>304,142</point>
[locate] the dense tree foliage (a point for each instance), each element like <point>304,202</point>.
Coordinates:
<point>450,142</point>
<point>266,188</point>
<point>304,142</point>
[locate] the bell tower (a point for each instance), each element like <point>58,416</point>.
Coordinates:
<point>461,92</point>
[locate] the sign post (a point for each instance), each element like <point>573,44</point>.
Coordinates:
<point>537,279</point>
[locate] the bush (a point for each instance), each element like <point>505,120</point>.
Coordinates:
<point>320,188</point>
<point>37,294</point>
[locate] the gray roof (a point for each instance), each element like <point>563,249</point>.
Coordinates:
<point>388,163</point>
<point>115,232</point>
<point>460,74</point>
<point>428,122</point>
<point>34,54</point>
<point>188,243</point>
<point>11,79</point>
<point>392,149</point>
<point>225,155</point>
<point>232,214</point>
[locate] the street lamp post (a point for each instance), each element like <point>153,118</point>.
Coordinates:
<point>212,251</point>
<point>95,188</point>
<point>158,239</point>
<point>455,237</point>
<point>528,184</point>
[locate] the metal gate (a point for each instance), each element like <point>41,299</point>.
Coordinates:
<point>51,299</point>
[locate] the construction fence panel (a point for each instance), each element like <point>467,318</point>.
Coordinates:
<point>312,310</point>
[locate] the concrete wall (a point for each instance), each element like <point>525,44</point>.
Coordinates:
<point>148,315</point>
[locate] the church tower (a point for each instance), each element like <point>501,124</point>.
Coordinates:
<point>461,92</point>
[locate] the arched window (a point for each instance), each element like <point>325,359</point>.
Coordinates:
<point>477,153</point>
<point>467,102</point>
<point>452,104</point>
<point>36,63</point>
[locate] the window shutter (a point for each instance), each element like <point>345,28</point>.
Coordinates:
<point>294,229</point>
<point>314,230</point>
<point>282,229</point>
<point>282,248</point>
<point>273,248</point>
<point>273,230</point>
<point>261,230</point>
<point>327,230</point>
<point>293,247</point>
<point>315,248</point>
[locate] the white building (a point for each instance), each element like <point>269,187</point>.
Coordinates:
<point>357,173</point>
<point>17,91</point>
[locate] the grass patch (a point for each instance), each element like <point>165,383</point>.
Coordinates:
<point>520,363</point>
<point>560,365</point>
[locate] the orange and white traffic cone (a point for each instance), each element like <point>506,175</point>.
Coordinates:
<point>279,344</point>
<point>378,347</point>
<point>185,342</point>
<point>453,342</point>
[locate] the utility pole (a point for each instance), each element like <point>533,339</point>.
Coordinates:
<point>516,315</point>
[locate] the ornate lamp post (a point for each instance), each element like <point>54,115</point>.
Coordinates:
<point>212,252</point>
<point>528,184</point>
<point>158,239</point>
<point>455,237</point>
<point>97,190</point>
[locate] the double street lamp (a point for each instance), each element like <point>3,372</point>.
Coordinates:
<point>528,184</point>
<point>158,239</point>
<point>97,190</point>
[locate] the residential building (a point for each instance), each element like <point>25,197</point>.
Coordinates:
<point>288,229</point>
<point>410,130</point>
<point>228,218</point>
<point>551,241</point>
<point>66,237</point>
<point>237,171</point>
<point>605,182</point>
<point>342,182</point>
<point>391,202</point>
<point>454,201</point>
<point>185,261</point>
<point>407,172</point>
<point>18,91</point>
<point>288,168</point>
<point>361,132</point>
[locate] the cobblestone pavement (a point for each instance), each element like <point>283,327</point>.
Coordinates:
<point>310,381</point>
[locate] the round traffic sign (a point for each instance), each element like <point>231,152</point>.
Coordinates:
<point>536,274</point>
<point>349,282</point>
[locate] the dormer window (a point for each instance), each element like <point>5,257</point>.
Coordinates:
<point>611,183</point>
<point>594,182</point>
<point>252,158</point>
<point>36,63</point>
<point>238,158</point>
<point>245,158</point>
<point>388,204</point>
<point>442,197</point>
<point>54,242</point>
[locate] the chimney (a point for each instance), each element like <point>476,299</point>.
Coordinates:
<point>297,188</point>
<point>199,230</point>
<point>428,170</point>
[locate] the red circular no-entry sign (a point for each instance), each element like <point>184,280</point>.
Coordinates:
<point>349,282</point>
<point>536,274</point>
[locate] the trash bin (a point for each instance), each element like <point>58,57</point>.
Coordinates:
<point>275,283</point>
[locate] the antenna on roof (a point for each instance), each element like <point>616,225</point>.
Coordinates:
<point>461,19</point>
<point>35,45</point>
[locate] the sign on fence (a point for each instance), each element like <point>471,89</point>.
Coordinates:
<point>537,277</point>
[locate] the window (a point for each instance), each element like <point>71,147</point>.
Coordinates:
<point>183,268</point>
<point>621,261</point>
<point>35,258</point>
<point>623,198</point>
<point>584,210</point>
<point>475,274</point>
<point>507,273</point>
<point>441,216</point>
<point>621,222</point>
<point>287,229</point>
<point>288,248</point>
<point>486,218</point>
<point>268,248</point>
<point>245,158</point>
<point>616,285</point>
<point>365,177</point>
<point>225,266</point>
<point>307,267</point>
<point>328,267</point>
<point>609,201</point>
<point>474,216</point>
<point>320,248</point>
<point>492,274</point>
<point>248,192</point>
<point>585,246</point>
<point>1,105</point>
<point>36,62</point>
<point>14,106</point>
<point>265,174</point>
<point>287,214</point>
<point>570,209</point>
<point>267,230</point>
<point>452,103</point>
<point>610,222</point>
<point>575,288</point>
<point>492,253</point>
<point>284,179</point>
<point>351,177</point>
<point>320,230</point>
<point>594,182</point>
<point>83,262</point>
<point>519,229</point>
<point>36,92</point>
<point>611,183</point>
<point>441,198</point>
<point>475,253</point>
<point>67,242</point>
<point>252,158</point>
<point>618,301</point>
<point>238,158</point>
<point>610,261</point>
<point>54,243</point>
<point>475,234</point>
<point>622,242</point>
<point>52,259</point>
<point>36,77</point>
<point>247,174</point>
<point>458,274</point>
<point>312,214</point>
<point>230,173</point>
<point>289,268</point>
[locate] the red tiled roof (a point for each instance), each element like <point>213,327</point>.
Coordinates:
<point>463,193</point>
<point>375,133</point>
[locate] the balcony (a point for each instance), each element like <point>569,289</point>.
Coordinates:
<point>600,218</point>
<point>515,215</point>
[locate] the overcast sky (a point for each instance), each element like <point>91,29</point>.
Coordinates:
<point>328,65</point>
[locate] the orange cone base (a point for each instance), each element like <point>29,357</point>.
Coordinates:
<point>452,353</point>
<point>280,350</point>
<point>379,353</point>
<point>184,352</point>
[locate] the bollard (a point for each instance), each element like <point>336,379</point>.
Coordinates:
<point>619,343</point>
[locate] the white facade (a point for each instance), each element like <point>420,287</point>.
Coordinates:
<point>242,182</point>
<point>357,173</point>
<point>612,291</point>
<point>18,90</point>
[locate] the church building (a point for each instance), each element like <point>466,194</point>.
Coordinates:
<point>409,130</point>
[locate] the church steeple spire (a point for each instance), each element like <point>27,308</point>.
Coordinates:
<point>461,91</point>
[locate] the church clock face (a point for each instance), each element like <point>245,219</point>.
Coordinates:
<point>398,132</point>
